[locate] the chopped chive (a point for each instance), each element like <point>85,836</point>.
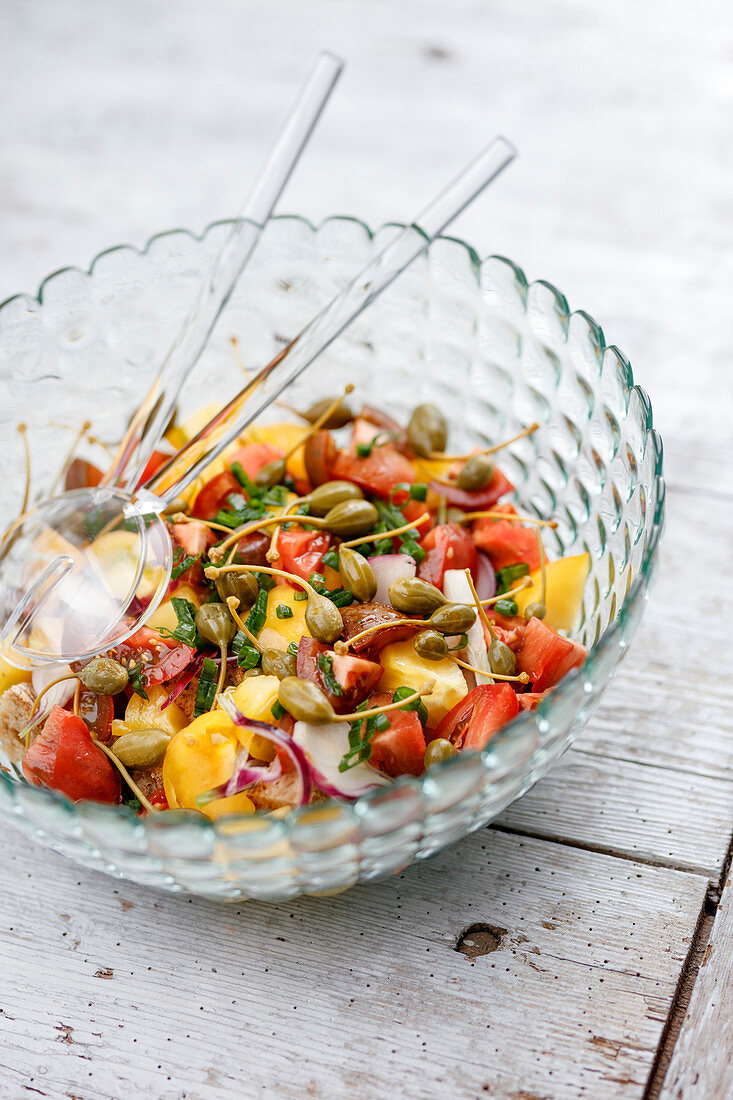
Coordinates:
<point>283,611</point>
<point>300,596</point>
<point>293,649</point>
<point>506,607</point>
<point>418,491</point>
<point>277,710</point>
<point>332,559</point>
<point>507,577</point>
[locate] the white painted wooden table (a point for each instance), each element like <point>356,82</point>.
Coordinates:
<point>612,972</point>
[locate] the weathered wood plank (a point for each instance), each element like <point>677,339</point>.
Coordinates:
<point>702,1062</point>
<point>361,994</point>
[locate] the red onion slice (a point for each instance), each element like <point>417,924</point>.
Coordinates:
<point>272,733</point>
<point>484,577</point>
<point>388,568</point>
<point>325,744</point>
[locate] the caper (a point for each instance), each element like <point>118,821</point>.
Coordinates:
<point>453,618</point>
<point>357,574</point>
<point>327,496</point>
<point>427,430</point>
<point>351,518</point>
<point>476,473</point>
<point>273,473</point>
<point>141,748</point>
<point>535,610</point>
<point>243,586</point>
<point>412,596</point>
<point>323,619</point>
<point>278,662</point>
<point>501,659</point>
<point>104,676</point>
<point>215,624</point>
<point>430,645</point>
<point>439,749</point>
<point>304,700</point>
<point>340,416</point>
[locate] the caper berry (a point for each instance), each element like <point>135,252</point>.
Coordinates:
<point>323,619</point>
<point>453,618</point>
<point>351,518</point>
<point>141,748</point>
<point>243,586</point>
<point>327,496</point>
<point>104,676</point>
<point>215,624</point>
<point>304,700</point>
<point>439,749</point>
<point>273,473</point>
<point>501,659</point>
<point>278,662</point>
<point>340,416</point>
<point>412,596</point>
<point>357,574</point>
<point>430,645</point>
<point>427,430</point>
<point>476,473</point>
<point>535,610</point>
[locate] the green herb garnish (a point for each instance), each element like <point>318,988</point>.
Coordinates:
<point>416,704</point>
<point>137,683</point>
<point>277,710</point>
<point>258,615</point>
<point>293,649</point>
<point>186,629</point>
<point>283,611</point>
<point>300,596</point>
<point>247,655</point>
<point>507,577</point>
<point>331,558</point>
<point>206,690</point>
<point>182,562</point>
<point>325,664</point>
<point>418,491</point>
<point>506,607</point>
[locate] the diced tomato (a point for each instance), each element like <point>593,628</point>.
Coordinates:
<point>475,719</point>
<point>509,631</point>
<point>448,546</point>
<point>319,456</point>
<point>505,542</point>
<point>82,475</point>
<point>387,423</point>
<point>253,456</point>
<point>477,500</point>
<point>361,616</point>
<point>546,656</point>
<point>413,510</point>
<point>64,758</point>
<point>399,750</point>
<point>530,700</point>
<point>215,495</point>
<point>161,658</point>
<point>193,540</point>
<point>378,472</point>
<point>98,712</point>
<point>156,461</point>
<point>158,799</point>
<point>355,676</point>
<point>301,552</point>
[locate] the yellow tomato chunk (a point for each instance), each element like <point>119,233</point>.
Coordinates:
<point>10,675</point>
<point>564,597</point>
<point>285,436</point>
<point>146,714</point>
<point>403,666</point>
<point>165,617</point>
<point>200,757</point>
<point>279,633</point>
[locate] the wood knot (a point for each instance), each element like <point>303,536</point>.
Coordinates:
<point>480,939</point>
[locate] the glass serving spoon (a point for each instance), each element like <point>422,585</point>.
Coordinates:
<point>86,570</point>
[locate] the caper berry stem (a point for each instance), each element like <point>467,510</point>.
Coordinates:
<point>222,668</point>
<point>125,775</point>
<point>213,571</point>
<point>273,554</point>
<point>388,534</point>
<point>356,715</point>
<point>342,647</point>
<point>486,450</point>
<point>233,603</point>
<point>522,678</point>
<point>318,424</point>
<point>181,517</point>
<point>468,516</point>
<point>77,696</point>
<point>58,680</point>
<point>524,583</point>
<point>259,525</point>
<point>479,605</point>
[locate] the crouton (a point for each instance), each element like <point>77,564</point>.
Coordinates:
<point>16,705</point>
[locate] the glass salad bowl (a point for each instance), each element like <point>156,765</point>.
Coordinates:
<point>494,352</point>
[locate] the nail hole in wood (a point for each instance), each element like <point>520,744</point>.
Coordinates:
<point>480,939</point>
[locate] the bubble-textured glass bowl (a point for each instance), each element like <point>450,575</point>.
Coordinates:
<point>495,353</point>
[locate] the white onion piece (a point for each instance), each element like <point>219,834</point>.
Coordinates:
<point>46,674</point>
<point>388,568</point>
<point>485,578</point>
<point>325,744</point>
<point>458,590</point>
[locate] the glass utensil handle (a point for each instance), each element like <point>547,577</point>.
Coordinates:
<point>153,416</point>
<point>265,386</point>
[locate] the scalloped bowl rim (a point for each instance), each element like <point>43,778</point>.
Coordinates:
<point>526,720</point>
